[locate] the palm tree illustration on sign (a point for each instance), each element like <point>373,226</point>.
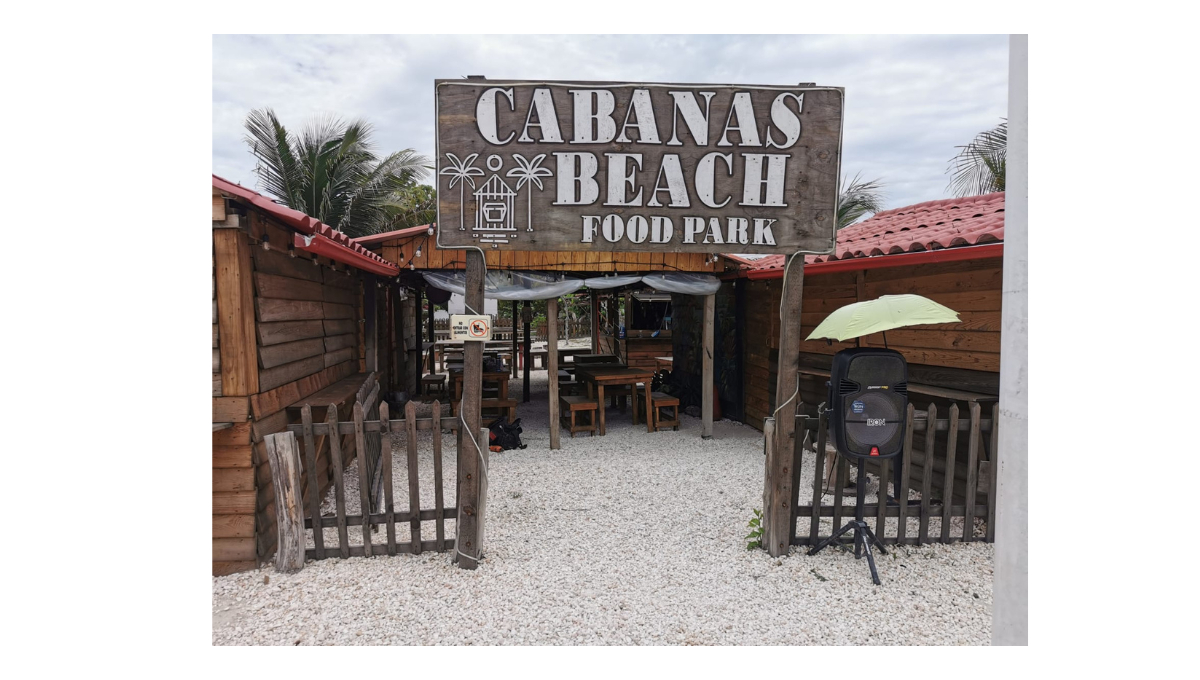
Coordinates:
<point>529,171</point>
<point>461,171</point>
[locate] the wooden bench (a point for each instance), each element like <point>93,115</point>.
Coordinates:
<point>572,405</point>
<point>658,401</point>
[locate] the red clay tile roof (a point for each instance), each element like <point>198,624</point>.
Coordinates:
<point>309,225</point>
<point>933,225</point>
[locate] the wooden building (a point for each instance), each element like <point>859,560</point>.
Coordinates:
<point>948,250</point>
<point>288,297</point>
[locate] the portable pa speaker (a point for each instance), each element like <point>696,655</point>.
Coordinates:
<point>868,401</point>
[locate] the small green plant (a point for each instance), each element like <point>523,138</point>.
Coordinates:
<point>756,531</point>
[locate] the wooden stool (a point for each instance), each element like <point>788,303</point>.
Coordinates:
<point>432,382</point>
<point>659,401</point>
<point>569,406</point>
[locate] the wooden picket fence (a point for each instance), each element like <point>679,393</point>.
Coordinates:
<point>372,449</point>
<point>949,487</point>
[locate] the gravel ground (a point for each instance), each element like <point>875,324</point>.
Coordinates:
<point>628,539</point>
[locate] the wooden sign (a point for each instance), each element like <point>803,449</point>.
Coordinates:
<point>556,166</point>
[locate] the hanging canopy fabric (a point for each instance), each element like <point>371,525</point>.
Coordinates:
<point>505,285</point>
<point>605,282</point>
<point>681,282</point>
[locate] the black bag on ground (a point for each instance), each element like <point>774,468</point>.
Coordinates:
<point>504,434</point>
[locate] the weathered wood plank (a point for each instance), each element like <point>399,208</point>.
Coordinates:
<point>230,409</point>
<point>905,469</point>
<point>364,475</point>
<point>232,479</point>
<point>276,332</point>
<point>339,487</point>
<point>239,456</point>
<point>238,503</point>
<point>927,476</point>
<point>333,310</point>
<point>233,526</point>
<point>818,477</point>
<point>340,326</point>
<point>414,481</point>
<point>287,288</point>
<point>972,473</point>
<point>948,483</point>
<point>438,500</point>
<point>314,482</point>
<point>235,299</point>
<point>386,443</point>
<point>218,206</point>
<point>472,459</point>
<point>235,434</point>
<point>288,352</point>
<point>338,357</point>
<point>336,342</point>
<point>233,549</point>
<point>776,516</point>
<point>274,377</point>
<point>271,309</point>
<point>282,264</point>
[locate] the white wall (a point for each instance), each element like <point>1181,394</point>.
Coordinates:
<point>457,305</point>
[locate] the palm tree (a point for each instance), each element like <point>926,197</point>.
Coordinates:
<point>462,171</point>
<point>858,198</point>
<point>411,207</point>
<point>330,171</point>
<point>979,167</point>
<point>529,171</point>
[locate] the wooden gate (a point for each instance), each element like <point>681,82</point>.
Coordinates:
<point>372,449</point>
<point>949,484</point>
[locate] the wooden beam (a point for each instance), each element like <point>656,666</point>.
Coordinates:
<point>235,313</point>
<point>777,510</point>
<point>473,449</point>
<point>552,368</point>
<point>706,384</point>
<point>595,312</point>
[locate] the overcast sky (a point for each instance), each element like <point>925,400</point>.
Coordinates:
<point>909,100</point>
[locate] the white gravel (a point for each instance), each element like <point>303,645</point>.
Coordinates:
<point>627,539</point>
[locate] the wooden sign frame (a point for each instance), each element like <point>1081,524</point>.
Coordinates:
<point>643,167</point>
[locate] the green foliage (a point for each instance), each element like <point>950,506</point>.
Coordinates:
<point>410,206</point>
<point>858,198</point>
<point>979,167</point>
<point>756,531</point>
<point>331,171</point>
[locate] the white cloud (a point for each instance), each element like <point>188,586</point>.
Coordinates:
<point>909,99</point>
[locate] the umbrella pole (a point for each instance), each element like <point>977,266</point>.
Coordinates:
<point>885,340</point>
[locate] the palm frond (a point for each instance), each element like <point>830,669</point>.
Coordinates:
<point>280,173</point>
<point>858,198</point>
<point>979,166</point>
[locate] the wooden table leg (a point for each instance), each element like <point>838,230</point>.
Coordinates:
<point>649,409</point>
<point>600,405</point>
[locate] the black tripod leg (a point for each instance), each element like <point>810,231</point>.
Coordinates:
<point>832,539</point>
<point>871,561</point>
<point>874,540</point>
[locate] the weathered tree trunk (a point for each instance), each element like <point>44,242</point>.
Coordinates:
<point>284,458</point>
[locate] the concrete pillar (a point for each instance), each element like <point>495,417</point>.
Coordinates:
<point>1010,582</point>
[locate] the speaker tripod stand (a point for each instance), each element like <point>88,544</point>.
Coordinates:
<point>863,536</point>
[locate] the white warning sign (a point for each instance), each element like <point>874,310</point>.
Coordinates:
<point>470,327</point>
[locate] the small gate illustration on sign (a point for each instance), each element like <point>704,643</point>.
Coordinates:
<point>494,212</point>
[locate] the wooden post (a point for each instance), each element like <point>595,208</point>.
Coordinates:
<point>777,514</point>
<point>370,311</point>
<point>402,380</point>
<point>284,458</point>
<point>614,320</point>
<point>552,368</point>
<point>433,336</point>
<point>595,312</point>
<point>235,313</point>
<point>706,384</point>
<point>513,368</point>
<point>472,449</point>
<point>528,356</point>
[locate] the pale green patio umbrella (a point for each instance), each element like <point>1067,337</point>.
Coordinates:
<point>874,316</point>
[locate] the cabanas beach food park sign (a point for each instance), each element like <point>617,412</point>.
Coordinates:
<point>556,166</point>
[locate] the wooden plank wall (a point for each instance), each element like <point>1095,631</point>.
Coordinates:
<point>307,334</point>
<point>963,355</point>
<point>402,250</point>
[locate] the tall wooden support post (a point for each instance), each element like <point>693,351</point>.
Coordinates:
<point>420,356</point>
<point>528,349</point>
<point>472,446</point>
<point>402,381</point>
<point>235,313</point>
<point>614,320</point>
<point>706,398</point>
<point>433,336</point>
<point>595,312</point>
<point>552,368</point>
<point>513,368</point>
<point>370,328</point>
<point>777,508</point>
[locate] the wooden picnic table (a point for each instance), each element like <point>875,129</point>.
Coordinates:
<point>570,352</point>
<point>598,376</point>
<point>597,359</point>
<point>501,377</point>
